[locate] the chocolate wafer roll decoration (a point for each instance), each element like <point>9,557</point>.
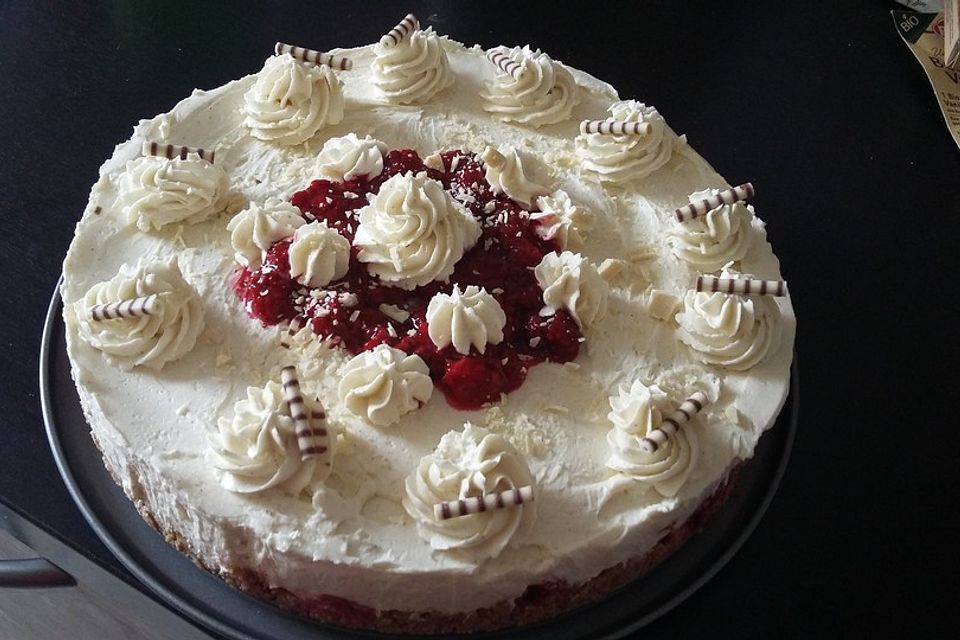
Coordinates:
<point>314,57</point>
<point>742,286</point>
<point>505,63</point>
<point>311,440</point>
<point>486,502</point>
<point>671,424</point>
<point>615,127</point>
<point>401,31</point>
<point>171,151</point>
<point>729,196</point>
<point>130,308</point>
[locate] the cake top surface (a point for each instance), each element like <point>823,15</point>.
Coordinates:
<point>177,416</point>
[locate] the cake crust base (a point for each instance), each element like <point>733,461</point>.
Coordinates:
<point>539,602</point>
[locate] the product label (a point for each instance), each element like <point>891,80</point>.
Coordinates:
<point>923,33</point>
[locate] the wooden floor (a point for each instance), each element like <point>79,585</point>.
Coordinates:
<point>74,613</point>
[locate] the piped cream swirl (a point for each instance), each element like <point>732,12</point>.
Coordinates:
<point>318,255</point>
<point>469,463</point>
<point>543,91</point>
<point>570,281</point>
<point>722,235</point>
<point>384,384</point>
<point>634,412</point>
<point>349,157</point>
<point>291,100</point>
<point>620,159</point>
<point>503,169</point>
<point>255,229</point>
<point>414,70</point>
<point>257,449</point>
<point>732,331</point>
<point>562,220</point>
<point>150,341</point>
<point>156,191</point>
<point>471,318</point>
<point>413,232</point>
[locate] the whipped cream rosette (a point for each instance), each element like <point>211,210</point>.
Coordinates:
<point>503,169</point>
<point>619,159</point>
<point>562,220</point>
<point>155,191</point>
<point>723,234</point>
<point>413,70</point>
<point>635,413</point>
<point>292,100</point>
<point>729,330</point>
<point>349,157</point>
<point>413,232</point>
<point>538,93</point>
<point>257,448</point>
<point>318,254</point>
<point>468,464</point>
<point>255,229</point>
<point>384,384</point>
<point>465,319</point>
<point>166,334</point>
<point>571,282</point>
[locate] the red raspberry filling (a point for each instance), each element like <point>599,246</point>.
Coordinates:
<point>358,312</point>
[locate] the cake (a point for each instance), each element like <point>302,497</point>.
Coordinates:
<point>419,337</point>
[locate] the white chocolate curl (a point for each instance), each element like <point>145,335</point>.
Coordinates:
<point>151,340</point>
<point>469,464</point>
<point>291,101</point>
<point>472,318</point>
<point>384,384</point>
<point>315,57</point>
<point>413,232</point>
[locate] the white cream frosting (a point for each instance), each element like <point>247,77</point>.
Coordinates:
<point>255,229</point>
<point>468,464</point>
<point>722,235</point>
<point>257,448</point>
<point>384,384</point>
<point>503,169</point>
<point>352,538</point>
<point>562,220</point>
<point>570,281</point>
<point>544,92</point>
<point>634,412</point>
<point>150,341</point>
<point>349,157</point>
<point>413,70</point>
<point>413,232</point>
<point>291,101</point>
<point>318,254</point>
<point>620,159</point>
<point>156,191</point>
<point>732,331</point>
<point>471,318</point>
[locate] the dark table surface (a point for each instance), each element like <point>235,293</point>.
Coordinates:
<point>820,105</point>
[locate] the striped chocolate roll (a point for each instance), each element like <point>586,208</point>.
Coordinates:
<point>670,425</point>
<point>401,31</point>
<point>505,63</point>
<point>486,502</point>
<point>311,440</point>
<point>615,127</point>
<point>314,57</point>
<point>171,151</point>
<point>742,286</point>
<point>697,209</point>
<point>130,308</point>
